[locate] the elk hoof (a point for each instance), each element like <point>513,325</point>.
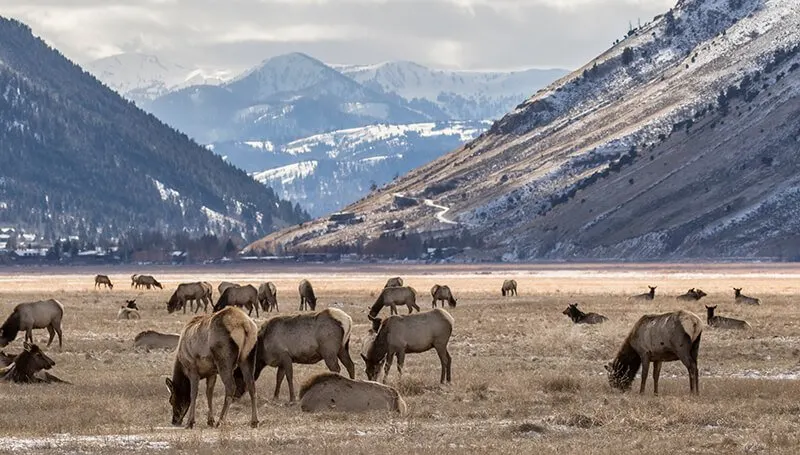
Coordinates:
<point>254,424</point>
<point>211,423</point>
<point>189,425</point>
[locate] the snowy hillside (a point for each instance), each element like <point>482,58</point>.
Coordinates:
<point>141,77</point>
<point>328,171</point>
<point>678,142</point>
<point>460,94</point>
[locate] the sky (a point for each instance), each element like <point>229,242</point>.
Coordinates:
<point>236,34</point>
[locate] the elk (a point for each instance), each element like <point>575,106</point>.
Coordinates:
<point>692,294</point>
<point>104,280</point>
<point>444,294</point>
<point>741,298</point>
<point>658,338</point>
<point>509,288</point>
<point>307,298</point>
<point>129,311</point>
<point>33,315</point>
<point>723,322</point>
<point>647,295</point>
<point>579,317</point>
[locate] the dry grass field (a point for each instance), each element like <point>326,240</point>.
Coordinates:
<point>525,379</point>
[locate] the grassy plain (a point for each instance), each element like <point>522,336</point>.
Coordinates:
<point>525,379</point>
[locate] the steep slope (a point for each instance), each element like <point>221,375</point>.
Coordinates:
<point>284,98</point>
<point>325,172</point>
<point>461,95</point>
<point>76,158</point>
<point>679,142</point>
<point>142,78</point>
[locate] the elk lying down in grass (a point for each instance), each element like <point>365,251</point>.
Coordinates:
<point>723,322</point>
<point>333,392</point>
<point>647,295</point>
<point>692,294</point>
<point>28,366</point>
<point>579,317</point>
<point>150,339</point>
<point>129,310</point>
<point>658,338</point>
<point>741,298</point>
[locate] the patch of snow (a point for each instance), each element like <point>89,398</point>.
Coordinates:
<point>165,192</point>
<point>286,174</point>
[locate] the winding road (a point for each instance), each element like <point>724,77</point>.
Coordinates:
<point>440,215</point>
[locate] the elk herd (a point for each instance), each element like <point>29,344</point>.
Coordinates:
<point>225,342</point>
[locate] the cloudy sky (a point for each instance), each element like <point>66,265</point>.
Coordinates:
<point>235,34</point>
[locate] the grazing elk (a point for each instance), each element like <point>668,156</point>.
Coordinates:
<point>692,294</point>
<point>579,317</point>
<point>189,292</point>
<point>33,315</point>
<point>147,281</point>
<point>394,297</point>
<point>647,295</point>
<point>150,339</point>
<point>268,296</point>
<point>509,288</point>
<point>307,298</point>
<point>658,338</point>
<point>741,298</point>
<point>212,344</point>
<point>104,280</point>
<point>393,282</point>
<point>723,322</point>
<point>399,335</point>
<point>129,311</point>
<point>333,392</point>
<point>304,339</point>
<point>28,367</point>
<point>442,293</point>
<point>241,296</point>
<point>133,279</point>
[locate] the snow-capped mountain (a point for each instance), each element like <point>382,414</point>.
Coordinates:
<point>142,77</point>
<point>680,141</point>
<point>467,95</point>
<point>327,171</point>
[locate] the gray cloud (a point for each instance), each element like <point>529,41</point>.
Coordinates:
<point>468,34</point>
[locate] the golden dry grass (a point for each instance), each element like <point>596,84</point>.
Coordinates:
<point>525,379</point>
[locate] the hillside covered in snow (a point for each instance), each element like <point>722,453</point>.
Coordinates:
<point>680,141</point>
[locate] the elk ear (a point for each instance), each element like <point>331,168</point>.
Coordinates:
<point>364,357</point>
<point>370,317</point>
<point>27,346</point>
<point>169,385</point>
<point>608,367</point>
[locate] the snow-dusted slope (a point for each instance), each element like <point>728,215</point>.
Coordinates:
<point>327,171</point>
<point>460,94</point>
<point>142,77</point>
<point>681,141</point>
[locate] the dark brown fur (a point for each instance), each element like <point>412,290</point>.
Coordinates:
<point>509,288</point>
<point>393,297</point>
<point>307,298</point>
<point>579,317</point>
<point>104,280</point>
<point>444,294</point>
<point>241,296</point>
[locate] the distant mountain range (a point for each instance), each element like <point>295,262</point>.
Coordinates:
<point>678,142</point>
<point>294,97</point>
<point>78,159</point>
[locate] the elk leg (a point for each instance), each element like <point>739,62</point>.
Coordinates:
<point>52,333</point>
<point>691,367</point>
<point>278,380</point>
<point>433,303</point>
<point>446,361</point>
<point>256,306</point>
<point>333,364</point>
<point>194,383</point>
<point>401,359</point>
<point>393,308</point>
<point>656,372</point>
<point>29,335</point>
<point>250,384</point>
<point>290,379</point>
<point>344,356</point>
<point>211,381</point>
<point>226,373</point>
<point>645,367</point>
<point>58,331</point>
<point>301,304</point>
<point>388,365</point>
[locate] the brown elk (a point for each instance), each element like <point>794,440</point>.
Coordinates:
<point>647,295</point>
<point>444,294</point>
<point>399,335</point>
<point>692,294</point>
<point>658,338</point>
<point>721,322</point>
<point>579,317</point>
<point>189,292</point>
<point>28,366</point>
<point>129,311</point>
<point>333,392</point>
<point>241,296</point>
<point>741,298</point>
<point>33,315</point>
<point>150,339</point>
<point>212,344</point>
<point>307,298</point>
<point>394,297</point>
<point>104,280</point>
<point>268,296</point>
<point>147,281</point>
<point>304,339</point>
<point>509,288</point>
